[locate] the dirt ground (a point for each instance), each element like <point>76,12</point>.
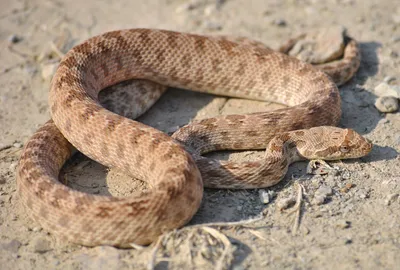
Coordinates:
<point>355,226</point>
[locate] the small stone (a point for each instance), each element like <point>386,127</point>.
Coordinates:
<point>279,22</point>
<point>385,89</point>
<point>212,26</point>
<point>36,229</point>
<point>285,203</point>
<point>18,145</point>
<point>347,187</point>
<point>348,241</point>
<point>2,180</point>
<point>363,194</point>
<point>210,9</point>
<point>266,196</point>
<point>191,5</point>
<point>391,198</point>
<point>343,224</point>
<point>41,245</point>
<point>324,191</point>
<point>388,79</point>
<point>14,38</point>
<point>387,104</point>
<point>13,166</point>
<point>318,200</point>
<point>11,246</point>
<point>396,39</point>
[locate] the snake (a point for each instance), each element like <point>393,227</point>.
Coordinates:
<point>174,166</point>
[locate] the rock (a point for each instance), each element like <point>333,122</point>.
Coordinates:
<point>190,5</point>
<point>279,22</point>
<point>285,203</point>
<point>266,196</point>
<point>318,200</point>
<point>324,191</point>
<point>321,194</point>
<point>36,229</point>
<point>343,224</point>
<point>320,46</point>
<point>2,180</point>
<point>387,104</point>
<point>212,26</point>
<point>41,245</point>
<point>14,38</point>
<point>385,89</point>
<point>18,145</point>
<point>209,10</point>
<point>13,166</point>
<point>389,79</point>
<point>12,246</point>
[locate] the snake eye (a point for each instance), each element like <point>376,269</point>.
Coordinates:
<point>344,149</point>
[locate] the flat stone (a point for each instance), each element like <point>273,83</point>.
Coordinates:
<point>324,190</point>
<point>387,104</point>
<point>318,200</point>
<point>41,245</point>
<point>320,46</point>
<point>12,246</point>
<point>384,89</point>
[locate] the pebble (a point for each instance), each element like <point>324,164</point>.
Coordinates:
<point>384,89</point>
<point>41,245</point>
<point>324,190</point>
<point>187,6</point>
<point>14,38</point>
<point>2,180</point>
<point>343,224</point>
<point>362,194</point>
<point>389,79</point>
<point>285,203</point>
<point>11,246</point>
<point>209,10</point>
<point>321,194</point>
<point>36,229</point>
<point>212,26</point>
<point>318,200</point>
<point>387,104</point>
<point>13,166</point>
<point>18,145</point>
<point>266,195</point>
<point>279,22</point>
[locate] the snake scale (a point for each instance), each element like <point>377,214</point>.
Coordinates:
<point>305,129</point>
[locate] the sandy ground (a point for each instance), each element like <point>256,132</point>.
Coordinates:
<point>357,225</point>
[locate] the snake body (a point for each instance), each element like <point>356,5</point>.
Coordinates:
<point>205,64</point>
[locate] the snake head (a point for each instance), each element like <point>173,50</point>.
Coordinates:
<point>333,143</point>
<point>350,144</point>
